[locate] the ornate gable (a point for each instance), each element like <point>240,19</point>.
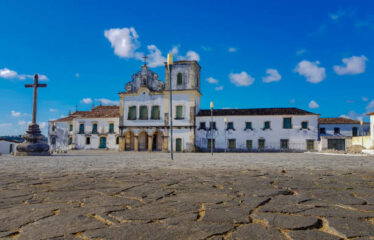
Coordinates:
<point>145,78</point>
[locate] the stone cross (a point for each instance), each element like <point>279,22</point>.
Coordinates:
<point>36,85</point>
<point>145,60</point>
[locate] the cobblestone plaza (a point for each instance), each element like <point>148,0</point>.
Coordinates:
<point>108,195</point>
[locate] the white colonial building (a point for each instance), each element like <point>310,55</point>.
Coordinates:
<point>94,129</point>
<point>141,122</point>
<point>337,133</point>
<point>262,129</point>
<point>144,109</point>
<point>7,146</point>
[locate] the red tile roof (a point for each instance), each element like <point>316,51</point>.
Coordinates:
<point>339,120</point>
<point>372,113</point>
<point>97,112</point>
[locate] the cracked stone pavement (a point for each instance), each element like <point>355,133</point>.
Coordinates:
<point>116,196</point>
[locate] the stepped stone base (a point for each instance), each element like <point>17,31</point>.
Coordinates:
<point>33,144</point>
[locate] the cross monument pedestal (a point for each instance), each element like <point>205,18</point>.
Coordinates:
<point>33,144</point>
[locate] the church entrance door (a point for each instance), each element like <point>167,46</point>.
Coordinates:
<point>129,141</point>
<point>102,142</point>
<point>143,141</point>
<point>157,141</point>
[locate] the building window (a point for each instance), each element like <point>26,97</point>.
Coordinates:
<point>230,125</point>
<point>53,128</point>
<point>111,127</point>
<point>261,144</point>
<point>94,128</point>
<point>88,140</point>
<point>232,144</point>
<point>284,143</point>
<point>143,115</point>
<point>202,126</point>
<point>212,125</point>
<point>179,79</point>
<point>210,143</point>
<point>155,113</point>
<point>304,125</point>
<point>132,113</point>
<point>322,131</point>
<point>248,125</point>
<point>178,145</point>
<point>53,140</point>
<point>179,112</point>
<point>267,125</point>
<point>354,131</point>
<point>71,127</point>
<point>336,130</point>
<point>287,123</point>
<point>81,128</point>
<point>310,145</point>
<point>117,140</point>
<point>70,140</point>
<point>249,144</point>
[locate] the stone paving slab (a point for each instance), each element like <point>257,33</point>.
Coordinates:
<point>185,203</point>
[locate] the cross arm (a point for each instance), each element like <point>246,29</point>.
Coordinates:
<point>29,85</point>
<point>42,85</point>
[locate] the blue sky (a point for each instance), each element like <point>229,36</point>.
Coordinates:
<point>314,55</point>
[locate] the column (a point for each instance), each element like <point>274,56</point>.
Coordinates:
<point>165,146</point>
<point>122,141</point>
<point>150,142</point>
<point>136,143</point>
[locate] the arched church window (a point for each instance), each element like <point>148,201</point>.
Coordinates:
<point>179,79</point>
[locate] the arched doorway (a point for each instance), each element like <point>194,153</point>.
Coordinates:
<point>143,141</point>
<point>157,141</point>
<point>129,141</point>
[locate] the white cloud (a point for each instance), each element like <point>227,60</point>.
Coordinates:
<point>52,110</point>
<point>219,88</point>
<point>273,76</point>
<point>105,101</point>
<point>207,48</point>
<point>313,104</point>
<point>86,100</point>
<point>232,49</point>
<point>300,51</point>
<point>42,125</point>
<point>335,16</point>
<point>354,115</point>
<point>22,123</point>
<point>370,106</point>
<point>241,79</point>
<point>365,99</point>
<point>10,74</point>
<point>123,40</point>
<point>3,125</point>
<point>7,73</point>
<point>77,75</point>
<point>212,80</point>
<point>292,101</point>
<point>353,65</point>
<point>15,114</point>
<point>311,71</point>
<point>192,55</point>
<point>155,58</point>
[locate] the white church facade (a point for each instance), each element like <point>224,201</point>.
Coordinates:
<point>141,121</point>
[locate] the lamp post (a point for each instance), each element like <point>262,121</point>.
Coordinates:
<point>225,120</point>
<point>362,133</point>
<point>211,128</point>
<point>169,63</point>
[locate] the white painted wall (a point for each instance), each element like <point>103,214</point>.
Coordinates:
<point>62,134</point>
<point>102,129</point>
<point>345,129</point>
<point>297,136</point>
<point>144,99</point>
<point>372,130</point>
<point>5,146</point>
